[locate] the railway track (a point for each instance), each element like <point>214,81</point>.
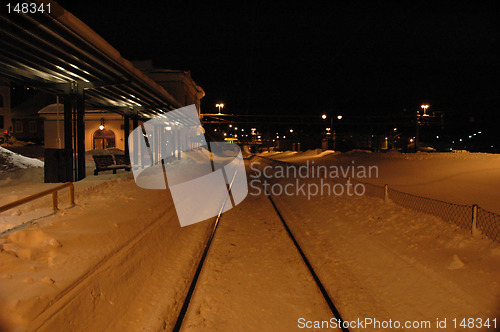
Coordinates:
<point>327,298</point>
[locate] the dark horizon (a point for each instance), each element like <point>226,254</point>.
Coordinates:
<point>349,58</point>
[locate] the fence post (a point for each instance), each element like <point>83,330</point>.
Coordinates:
<point>72,194</point>
<point>54,200</point>
<point>386,193</point>
<point>474,230</point>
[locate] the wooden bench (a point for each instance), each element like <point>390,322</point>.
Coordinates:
<point>106,162</point>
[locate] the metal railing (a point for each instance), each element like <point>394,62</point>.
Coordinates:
<point>52,191</point>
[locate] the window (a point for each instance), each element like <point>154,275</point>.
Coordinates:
<point>1,103</point>
<point>1,121</point>
<point>32,126</point>
<point>19,127</point>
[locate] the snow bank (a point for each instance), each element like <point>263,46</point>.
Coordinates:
<point>10,160</point>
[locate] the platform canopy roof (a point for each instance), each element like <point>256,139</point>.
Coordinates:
<point>58,53</point>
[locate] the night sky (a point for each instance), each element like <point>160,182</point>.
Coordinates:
<point>350,57</point>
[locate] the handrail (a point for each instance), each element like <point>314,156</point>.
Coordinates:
<point>52,191</point>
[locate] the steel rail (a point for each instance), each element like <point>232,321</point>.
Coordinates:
<point>318,282</point>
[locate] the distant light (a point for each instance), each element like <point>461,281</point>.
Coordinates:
<point>479,132</point>
<point>437,136</point>
<point>395,129</point>
<point>242,129</point>
<point>230,126</point>
<point>291,130</point>
<point>215,129</point>
<point>339,117</point>
<point>470,136</point>
<point>253,129</point>
<point>258,136</point>
<point>274,140</point>
<point>101,127</point>
<point>328,129</point>
<point>386,138</point>
<point>323,116</point>
<point>284,136</point>
<point>277,137</point>
<point>474,134</point>
<point>225,134</point>
<point>168,128</point>
<point>453,142</point>
<point>460,140</point>
<point>411,140</point>
<point>235,128</point>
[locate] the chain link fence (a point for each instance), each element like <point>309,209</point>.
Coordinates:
<point>488,223</point>
<point>458,214</point>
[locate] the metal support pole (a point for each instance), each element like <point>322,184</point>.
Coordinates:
<point>135,124</point>
<point>126,132</point>
<point>68,138</point>
<point>80,137</point>
<point>386,193</point>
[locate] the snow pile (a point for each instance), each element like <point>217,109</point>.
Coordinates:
<point>10,160</point>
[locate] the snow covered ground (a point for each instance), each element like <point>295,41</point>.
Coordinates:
<point>461,178</point>
<point>119,261</point>
<point>380,260</point>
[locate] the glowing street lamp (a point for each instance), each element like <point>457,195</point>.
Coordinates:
<point>339,117</point>
<point>219,106</point>
<point>424,107</point>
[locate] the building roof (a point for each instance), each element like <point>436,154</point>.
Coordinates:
<point>56,52</point>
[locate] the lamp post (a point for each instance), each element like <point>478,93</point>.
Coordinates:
<point>339,117</point>
<point>219,106</point>
<point>417,125</point>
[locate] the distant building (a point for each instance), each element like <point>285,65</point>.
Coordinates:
<point>111,135</point>
<point>178,83</point>
<point>27,125</point>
